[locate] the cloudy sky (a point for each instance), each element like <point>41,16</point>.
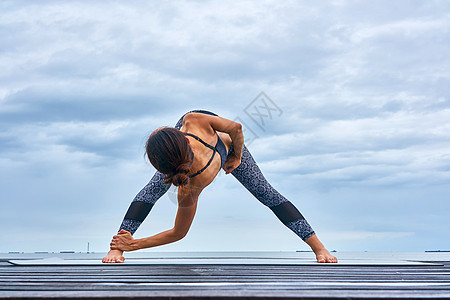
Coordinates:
<point>359,142</point>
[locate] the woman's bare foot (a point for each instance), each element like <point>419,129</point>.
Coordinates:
<point>114,256</point>
<point>323,256</point>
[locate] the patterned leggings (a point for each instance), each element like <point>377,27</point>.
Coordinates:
<point>248,174</point>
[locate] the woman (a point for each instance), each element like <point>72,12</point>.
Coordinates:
<point>184,156</point>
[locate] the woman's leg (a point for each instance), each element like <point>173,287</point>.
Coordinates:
<point>143,202</point>
<point>251,177</point>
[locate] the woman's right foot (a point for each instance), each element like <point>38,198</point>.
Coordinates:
<point>114,256</point>
<point>324,256</point>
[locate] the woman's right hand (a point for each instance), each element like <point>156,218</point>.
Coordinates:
<point>232,162</point>
<point>114,256</point>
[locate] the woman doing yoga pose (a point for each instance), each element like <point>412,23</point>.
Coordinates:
<point>184,156</point>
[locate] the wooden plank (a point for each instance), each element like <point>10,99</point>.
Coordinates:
<point>200,294</point>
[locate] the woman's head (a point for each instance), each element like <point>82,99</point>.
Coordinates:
<point>169,152</point>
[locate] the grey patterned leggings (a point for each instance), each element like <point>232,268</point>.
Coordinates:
<point>248,174</point>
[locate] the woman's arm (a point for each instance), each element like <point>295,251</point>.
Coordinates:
<point>234,130</point>
<point>185,215</point>
<point>217,123</point>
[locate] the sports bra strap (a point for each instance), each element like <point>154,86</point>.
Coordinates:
<point>207,145</point>
<point>200,140</point>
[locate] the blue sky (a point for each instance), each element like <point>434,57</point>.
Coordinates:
<point>360,144</point>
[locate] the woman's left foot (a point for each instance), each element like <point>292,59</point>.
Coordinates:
<point>324,256</point>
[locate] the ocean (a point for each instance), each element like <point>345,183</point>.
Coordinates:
<point>414,256</point>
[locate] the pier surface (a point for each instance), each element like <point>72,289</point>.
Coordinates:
<point>238,281</point>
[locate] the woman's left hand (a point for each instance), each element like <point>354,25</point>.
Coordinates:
<point>231,163</point>
<point>123,241</point>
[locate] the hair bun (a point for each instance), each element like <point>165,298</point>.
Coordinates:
<point>180,179</point>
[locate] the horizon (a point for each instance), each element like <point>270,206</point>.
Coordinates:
<point>218,251</point>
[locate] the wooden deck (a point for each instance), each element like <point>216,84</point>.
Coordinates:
<point>225,281</point>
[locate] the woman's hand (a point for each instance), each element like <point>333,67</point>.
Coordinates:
<point>231,163</point>
<point>123,241</point>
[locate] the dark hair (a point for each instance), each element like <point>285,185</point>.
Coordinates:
<point>169,152</point>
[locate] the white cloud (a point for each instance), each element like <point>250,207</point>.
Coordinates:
<point>410,28</point>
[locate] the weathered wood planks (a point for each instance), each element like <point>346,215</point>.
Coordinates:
<point>203,281</point>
